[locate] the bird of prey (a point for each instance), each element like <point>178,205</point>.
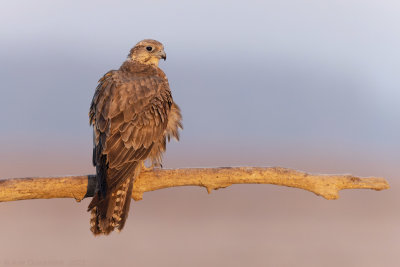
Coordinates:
<point>133,114</point>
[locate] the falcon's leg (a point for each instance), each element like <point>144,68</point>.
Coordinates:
<point>144,168</point>
<point>154,165</point>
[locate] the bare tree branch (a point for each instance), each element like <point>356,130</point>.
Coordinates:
<point>79,187</point>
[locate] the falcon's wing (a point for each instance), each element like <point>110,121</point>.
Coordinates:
<point>129,115</point>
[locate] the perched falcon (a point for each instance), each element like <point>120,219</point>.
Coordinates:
<point>132,114</point>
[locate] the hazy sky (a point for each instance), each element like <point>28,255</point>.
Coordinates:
<point>250,77</point>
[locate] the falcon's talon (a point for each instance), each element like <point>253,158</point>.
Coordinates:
<point>145,168</point>
<point>153,166</point>
<point>156,165</point>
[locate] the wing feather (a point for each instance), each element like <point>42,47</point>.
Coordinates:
<point>131,113</point>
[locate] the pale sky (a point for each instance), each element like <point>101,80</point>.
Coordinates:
<point>283,76</point>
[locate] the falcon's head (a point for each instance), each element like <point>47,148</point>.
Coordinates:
<point>148,52</point>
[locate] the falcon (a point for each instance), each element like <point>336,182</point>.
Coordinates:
<point>133,114</point>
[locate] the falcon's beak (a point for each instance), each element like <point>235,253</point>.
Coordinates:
<point>162,55</point>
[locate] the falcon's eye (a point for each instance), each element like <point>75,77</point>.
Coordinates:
<point>149,48</point>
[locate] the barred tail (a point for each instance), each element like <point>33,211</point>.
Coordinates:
<point>110,213</point>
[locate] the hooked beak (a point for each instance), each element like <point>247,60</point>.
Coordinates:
<point>162,55</point>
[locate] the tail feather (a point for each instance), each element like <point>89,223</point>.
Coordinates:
<point>125,207</point>
<point>111,212</point>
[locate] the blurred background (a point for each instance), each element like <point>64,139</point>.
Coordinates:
<point>309,85</point>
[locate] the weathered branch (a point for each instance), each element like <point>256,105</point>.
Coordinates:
<point>79,187</point>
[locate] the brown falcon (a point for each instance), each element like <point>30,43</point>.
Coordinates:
<point>132,114</point>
